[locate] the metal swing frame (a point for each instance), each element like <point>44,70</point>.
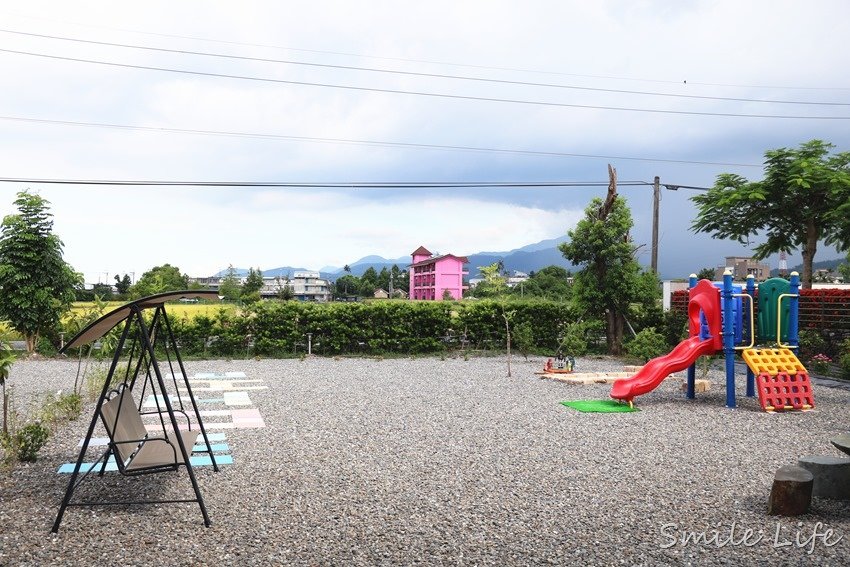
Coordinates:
<point>141,361</point>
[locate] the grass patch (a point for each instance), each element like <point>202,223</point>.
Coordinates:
<point>599,406</point>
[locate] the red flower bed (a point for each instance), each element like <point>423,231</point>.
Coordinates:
<point>819,308</point>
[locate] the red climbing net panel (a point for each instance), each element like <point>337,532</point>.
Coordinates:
<point>785,391</point>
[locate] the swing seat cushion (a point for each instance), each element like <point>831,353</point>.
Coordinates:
<point>136,448</point>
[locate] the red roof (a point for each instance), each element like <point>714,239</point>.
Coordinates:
<point>421,251</point>
<point>436,259</point>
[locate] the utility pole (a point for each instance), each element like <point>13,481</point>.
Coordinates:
<point>656,196</point>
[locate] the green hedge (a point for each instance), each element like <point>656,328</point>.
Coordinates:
<point>279,329</point>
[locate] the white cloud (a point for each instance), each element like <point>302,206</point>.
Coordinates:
<point>193,229</point>
<point>646,46</point>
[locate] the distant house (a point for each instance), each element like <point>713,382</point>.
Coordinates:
<point>381,293</point>
<point>305,286</point>
<point>434,277</point>
<point>516,278</point>
<point>743,267</point>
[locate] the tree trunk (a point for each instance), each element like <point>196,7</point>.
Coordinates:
<point>508,335</point>
<point>809,250</point>
<point>5,413</point>
<point>614,326</point>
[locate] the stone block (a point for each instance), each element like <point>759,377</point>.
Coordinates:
<point>842,442</point>
<point>831,474</point>
<point>699,385</point>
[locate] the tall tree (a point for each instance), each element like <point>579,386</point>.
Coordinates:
<point>369,281</point>
<point>7,359</point>
<point>123,284</point>
<point>347,285</point>
<point>384,279</point>
<point>706,274</point>
<point>284,288</point>
<point>230,287</point>
<point>160,279</point>
<point>253,281</point>
<point>36,285</point>
<point>551,282</point>
<point>610,280</point>
<point>401,279</point>
<point>804,198</point>
<point>102,291</point>
<point>495,285</point>
<point>844,269</point>
<point>493,282</point>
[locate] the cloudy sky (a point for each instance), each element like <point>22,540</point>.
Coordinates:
<point>354,92</point>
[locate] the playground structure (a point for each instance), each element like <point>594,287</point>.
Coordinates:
<point>716,324</point>
<point>561,365</point>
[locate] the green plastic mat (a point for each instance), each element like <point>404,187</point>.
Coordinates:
<point>600,406</point>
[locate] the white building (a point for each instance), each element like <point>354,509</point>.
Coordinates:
<point>305,286</point>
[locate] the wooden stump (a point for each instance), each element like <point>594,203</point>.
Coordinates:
<point>791,493</point>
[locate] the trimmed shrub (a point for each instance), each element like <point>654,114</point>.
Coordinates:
<point>647,344</point>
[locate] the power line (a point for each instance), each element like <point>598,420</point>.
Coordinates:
<point>427,75</point>
<point>407,145</point>
<point>346,184</point>
<point>434,62</point>
<point>423,93</point>
<point>326,185</point>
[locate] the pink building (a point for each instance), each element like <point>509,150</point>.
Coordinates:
<point>431,276</point>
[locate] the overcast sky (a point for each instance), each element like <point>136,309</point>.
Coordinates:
<point>771,50</point>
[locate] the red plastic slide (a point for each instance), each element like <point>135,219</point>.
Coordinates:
<point>704,298</point>
<point>656,370</point>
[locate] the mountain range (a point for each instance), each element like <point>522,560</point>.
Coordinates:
<point>525,259</point>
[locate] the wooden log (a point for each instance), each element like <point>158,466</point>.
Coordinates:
<point>791,494</point>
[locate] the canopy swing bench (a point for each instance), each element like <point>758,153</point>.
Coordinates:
<point>133,447</point>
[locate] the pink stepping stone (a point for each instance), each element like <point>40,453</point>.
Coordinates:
<point>247,418</point>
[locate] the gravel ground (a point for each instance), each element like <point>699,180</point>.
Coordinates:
<point>446,462</point>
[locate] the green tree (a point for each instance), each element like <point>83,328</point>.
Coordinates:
<point>369,282</point>
<point>284,289</point>
<point>253,282</point>
<point>384,279</point>
<point>610,280</point>
<point>706,274</point>
<point>102,290</point>
<point>123,284</point>
<point>7,358</point>
<point>347,285</point>
<point>401,279</point>
<point>494,283</point>
<point>36,284</point>
<point>160,279</point>
<point>229,287</point>
<point>844,269</point>
<point>551,282</point>
<point>804,198</point>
